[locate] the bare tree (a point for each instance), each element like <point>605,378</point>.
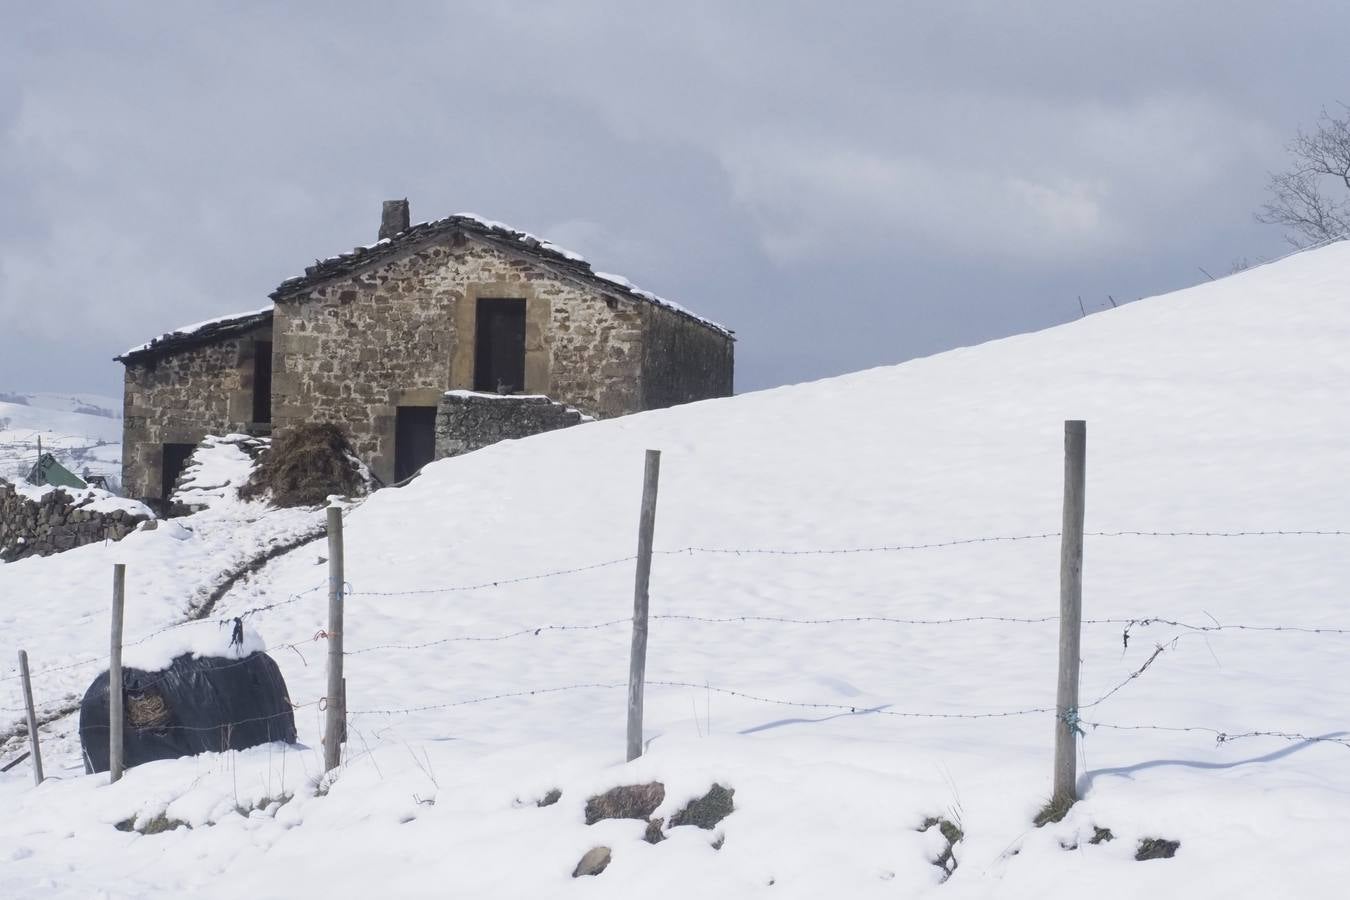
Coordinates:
<point>1312,198</point>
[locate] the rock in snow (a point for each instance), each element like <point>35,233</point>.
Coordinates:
<point>593,863</point>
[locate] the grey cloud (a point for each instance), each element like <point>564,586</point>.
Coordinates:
<point>847,185</point>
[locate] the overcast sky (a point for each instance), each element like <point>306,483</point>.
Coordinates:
<point>846,184</point>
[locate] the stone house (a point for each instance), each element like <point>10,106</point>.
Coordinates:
<point>374,339</point>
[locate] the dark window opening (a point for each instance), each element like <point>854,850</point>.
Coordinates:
<point>499,347</point>
<point>262,382</point>
<point>175,458</point>
<point>414,439</point>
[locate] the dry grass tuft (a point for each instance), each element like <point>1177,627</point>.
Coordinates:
<point>304,465</point>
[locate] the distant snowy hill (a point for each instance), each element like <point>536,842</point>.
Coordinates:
<point>854,596</point>
<point>83,431</point>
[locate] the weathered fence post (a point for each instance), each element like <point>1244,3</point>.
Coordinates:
<point>638,660</point>
<point>32,717</point>
<point>335,721</point>
<point>1070,614</point>
<point>115,715</point>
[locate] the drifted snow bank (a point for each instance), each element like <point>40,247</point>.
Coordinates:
<point>217,469</point>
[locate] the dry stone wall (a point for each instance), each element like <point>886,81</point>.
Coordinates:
<point>54,522</point>
<point>466,421</point>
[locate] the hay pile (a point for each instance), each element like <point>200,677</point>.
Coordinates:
<point>304,465</point>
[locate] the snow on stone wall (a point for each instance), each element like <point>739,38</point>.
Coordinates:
<point>466,420</point>
<point>43,521</point>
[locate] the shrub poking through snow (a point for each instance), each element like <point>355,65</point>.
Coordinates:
<point>268,806</point>
<point>708,810</point>
<point>1099,836</point>
<point>952,834</point>
<point>157,824</point>
<point>1156,848</point>
<point>304,466</point>
<point>1053,811</point>
<point>631,801</point>
<point>654,834</point>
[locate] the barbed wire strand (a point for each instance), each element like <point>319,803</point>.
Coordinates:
<point>491,638</point>
<point>223,726</point>
<point>958,542</point>
<point>536,630</point>
<point>487,699</point>
<point>1224,737</point>
<point>293,598</point>
<point>812,552</point>
<point>835,551</point>
<point>855,708</point>
<point>1158,651</point>
<point>502,582</point>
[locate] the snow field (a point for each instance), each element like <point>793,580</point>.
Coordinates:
<point>82,431</point>
<point>1210,410</point>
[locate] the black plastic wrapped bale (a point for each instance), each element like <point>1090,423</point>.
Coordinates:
<point>198,704</point>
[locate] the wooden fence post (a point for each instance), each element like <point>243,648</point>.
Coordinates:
<point>32,717</point>
<point>335,720</point>
<point>115,715</point>
<point>638,660</point>
<point>1070,614</point>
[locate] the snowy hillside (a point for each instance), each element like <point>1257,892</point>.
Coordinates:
<point>864,501</point>
<point>83,431</point>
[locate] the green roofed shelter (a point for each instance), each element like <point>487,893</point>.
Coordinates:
<point>48,471</point>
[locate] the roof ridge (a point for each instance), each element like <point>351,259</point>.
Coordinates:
<point>570,262</point>
<point>199,333</point>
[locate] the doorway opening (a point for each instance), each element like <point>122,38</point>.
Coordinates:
<point>171,466</point>
<point>499,346</point>
<point>262,382</point>
<point>414,439</point>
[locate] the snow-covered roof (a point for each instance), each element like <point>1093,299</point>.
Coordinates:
<point>198,333</point>
<point>559,259</point>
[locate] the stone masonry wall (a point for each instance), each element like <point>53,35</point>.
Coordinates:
<point>179,399</point>
<point>54,523</point>
<point>466,421</point>
<point>682,361</point>
<point>352,351</point>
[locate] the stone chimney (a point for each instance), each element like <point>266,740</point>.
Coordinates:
<point>393,218</point>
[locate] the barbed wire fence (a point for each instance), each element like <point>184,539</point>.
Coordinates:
<point>1068,716</point>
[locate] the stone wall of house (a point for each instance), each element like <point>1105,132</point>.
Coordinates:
<point>682,360</point>
<point>54,522</point>
<point>353,350</point>
<point>181,397</point>
<point>467,421</point>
